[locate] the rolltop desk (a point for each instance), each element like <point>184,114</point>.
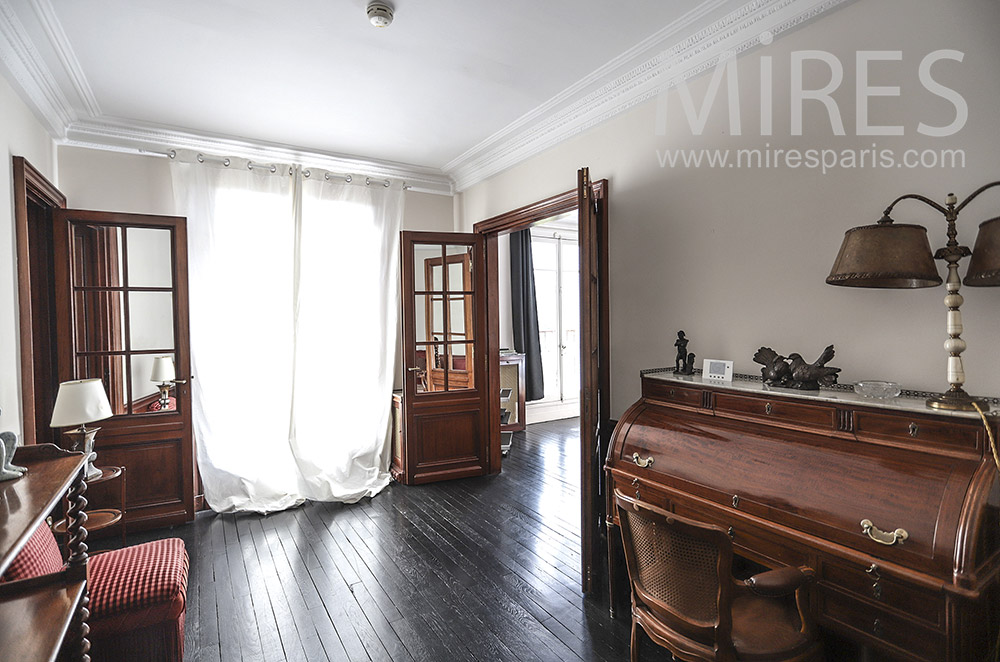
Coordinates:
<point>792,475</point>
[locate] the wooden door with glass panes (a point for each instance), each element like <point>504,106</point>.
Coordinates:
<point>122,301</point>
<point>446,428</point>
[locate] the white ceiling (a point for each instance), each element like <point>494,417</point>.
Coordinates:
<point>451,90</point>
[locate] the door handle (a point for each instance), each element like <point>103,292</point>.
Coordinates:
<point>413,369</point>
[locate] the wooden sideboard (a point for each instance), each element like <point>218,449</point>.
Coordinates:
<point>793,475</point>
<point>46,614</point>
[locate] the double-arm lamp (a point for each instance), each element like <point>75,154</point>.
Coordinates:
<point>893,255</point>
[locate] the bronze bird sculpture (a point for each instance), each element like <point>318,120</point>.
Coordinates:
<point>810,376</point>
<point>775,371</point>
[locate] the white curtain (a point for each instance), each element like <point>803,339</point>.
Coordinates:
<point>294,299</point>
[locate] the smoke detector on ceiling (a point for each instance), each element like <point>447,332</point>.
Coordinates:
<point>379,13</point>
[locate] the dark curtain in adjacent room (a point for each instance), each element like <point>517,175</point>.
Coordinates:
<point>525,313</point>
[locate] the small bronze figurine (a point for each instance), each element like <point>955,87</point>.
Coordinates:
<point>798,374</point>
<point>681,344</point>
<point>775,371</point>
<point>810,376</point>
<point>688,368</point>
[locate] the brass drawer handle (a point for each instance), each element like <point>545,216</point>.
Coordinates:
<point>640,462</point>
<point>914,429</point>
<point>883,537</point>
<point>767,409</point>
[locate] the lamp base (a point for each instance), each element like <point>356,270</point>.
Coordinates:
<point>957,400</point>
<point>164,395</point>
<point>82,439</point>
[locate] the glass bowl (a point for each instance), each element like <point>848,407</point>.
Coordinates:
<point>877,390</point>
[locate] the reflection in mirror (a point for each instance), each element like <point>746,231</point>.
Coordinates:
<point>429,317</point>
<point>459,268</point>
<point>460,370</point>
<point>151,320</point>
<point>97,251</point>
<point>100,321</point>
<point>423,280</point>
<point>111,371</point>
<point>145,391</point>
<point>149,257</point>
<point>460,317</point>
<point>429,358</point>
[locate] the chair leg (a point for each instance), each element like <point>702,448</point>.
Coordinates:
<point>634,646</point>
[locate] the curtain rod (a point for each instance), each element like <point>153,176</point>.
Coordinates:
<point>273,168</point>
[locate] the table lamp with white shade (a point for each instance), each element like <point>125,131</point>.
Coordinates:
<point>163,375</point>
<point>79,402</point>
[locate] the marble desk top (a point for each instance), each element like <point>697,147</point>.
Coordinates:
<point>836,396</point>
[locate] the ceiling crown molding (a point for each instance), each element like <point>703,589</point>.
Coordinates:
<point>610,90</point>
<point>67,57</point>
<point>555,121</point>
<point>118,135</point>
<point>28,70</point>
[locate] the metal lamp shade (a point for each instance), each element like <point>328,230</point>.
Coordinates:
<point>885,255</point>
<point>984,267</point>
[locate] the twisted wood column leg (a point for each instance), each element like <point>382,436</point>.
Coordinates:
<point>76,518</point>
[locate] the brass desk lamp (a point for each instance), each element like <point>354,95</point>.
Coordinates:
<point>892,255</point>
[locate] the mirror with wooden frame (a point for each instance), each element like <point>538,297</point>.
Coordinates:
<point>122,299</point>
<point>444,299</point>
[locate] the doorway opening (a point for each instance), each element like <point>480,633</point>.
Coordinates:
<point>587,206</point>
<point>555,248</point>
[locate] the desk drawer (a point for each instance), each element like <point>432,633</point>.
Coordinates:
<point>819,417</point>
<point>894,427</point>
<point>670,392</point>
<point>639,488</point>
<point>880,626</point>
<point>878,587</point>
<point>748,540</point>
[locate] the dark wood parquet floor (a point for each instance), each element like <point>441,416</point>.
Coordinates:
<point>476,569</point>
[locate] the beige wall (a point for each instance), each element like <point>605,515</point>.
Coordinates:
<point>20,135</point>
<point>738,257</point>
<point>116,181</point>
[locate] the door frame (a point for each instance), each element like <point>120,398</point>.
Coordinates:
<point>592,506</point>
<point>30,187</point>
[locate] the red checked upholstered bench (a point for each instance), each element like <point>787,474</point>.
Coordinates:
<point>137,596</point>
